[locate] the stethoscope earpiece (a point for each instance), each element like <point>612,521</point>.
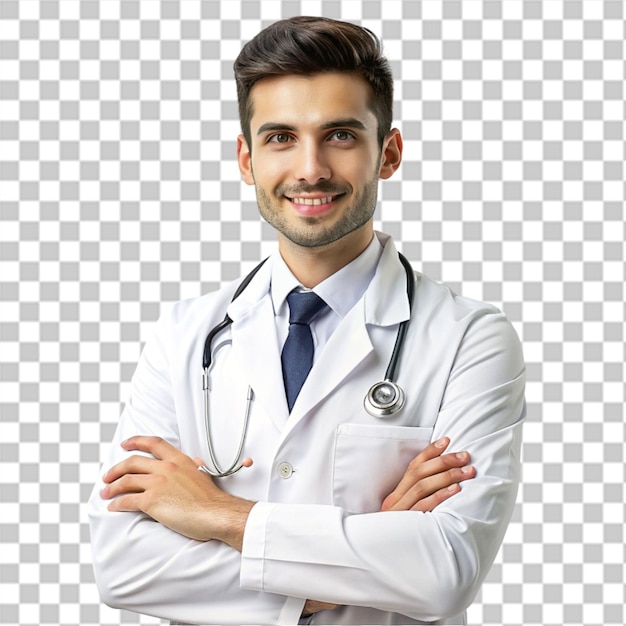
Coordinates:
<point>384,399</point>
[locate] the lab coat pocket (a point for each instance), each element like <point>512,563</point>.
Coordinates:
<point>369,462</point>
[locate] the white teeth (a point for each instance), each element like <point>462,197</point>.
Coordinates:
<point>313,201</point>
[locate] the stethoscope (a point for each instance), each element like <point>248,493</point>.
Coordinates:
<point>384,399</point>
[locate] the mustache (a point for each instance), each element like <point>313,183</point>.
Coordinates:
<point>330,189</point>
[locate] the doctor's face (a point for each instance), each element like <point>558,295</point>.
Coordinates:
<point>315,158</point>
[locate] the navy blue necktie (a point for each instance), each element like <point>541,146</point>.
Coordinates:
<point>297,356</point>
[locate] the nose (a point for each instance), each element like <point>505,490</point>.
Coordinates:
<point>310,163</point>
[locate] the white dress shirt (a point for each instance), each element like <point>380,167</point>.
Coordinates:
<point>341,292</point>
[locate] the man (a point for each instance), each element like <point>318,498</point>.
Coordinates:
<point>337,516</point>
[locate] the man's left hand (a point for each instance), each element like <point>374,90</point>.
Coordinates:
<point>170,489</point>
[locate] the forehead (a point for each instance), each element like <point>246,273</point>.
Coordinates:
<point>311,101</point>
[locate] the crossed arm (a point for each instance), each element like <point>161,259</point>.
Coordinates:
<point>169,488</point>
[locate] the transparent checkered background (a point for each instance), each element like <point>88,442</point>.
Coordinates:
<point>119,190</point>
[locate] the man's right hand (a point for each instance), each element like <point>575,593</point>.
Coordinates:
<point>430,478</point>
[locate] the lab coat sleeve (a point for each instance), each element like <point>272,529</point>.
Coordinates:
<point>427,566</point>
<point>141,565</point>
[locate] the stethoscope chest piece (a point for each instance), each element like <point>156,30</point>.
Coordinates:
<point>384,399</point>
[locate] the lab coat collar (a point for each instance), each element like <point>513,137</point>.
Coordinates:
<point>257,289</point>
<point>386,301</point>
<point>341,291</point>
<point>385,298</point>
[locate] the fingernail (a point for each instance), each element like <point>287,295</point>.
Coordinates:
<point>461,455</point>
<point>468,469</point>
<point>441,442</point>
<point>453,487</point>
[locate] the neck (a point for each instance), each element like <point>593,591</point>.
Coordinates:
<point>311,266</point>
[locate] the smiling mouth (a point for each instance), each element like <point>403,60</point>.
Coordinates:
<point>314,201</point>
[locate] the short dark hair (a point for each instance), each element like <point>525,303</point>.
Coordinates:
<point>311,45</point>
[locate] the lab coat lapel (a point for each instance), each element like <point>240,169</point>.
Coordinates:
<point>383,304</point>
<point>346,348</point>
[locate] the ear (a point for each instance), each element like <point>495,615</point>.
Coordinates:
<point>392,154</point>
<point>244,158</point>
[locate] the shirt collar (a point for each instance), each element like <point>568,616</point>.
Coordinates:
<point>341,291</point>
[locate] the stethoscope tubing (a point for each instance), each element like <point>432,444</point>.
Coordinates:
<point>226,322</point>
<point>390,374</point>
<point>379,408</point>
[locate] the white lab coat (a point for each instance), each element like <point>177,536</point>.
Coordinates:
<point>316,531</point>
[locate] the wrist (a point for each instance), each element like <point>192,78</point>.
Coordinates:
<point>233,522</point>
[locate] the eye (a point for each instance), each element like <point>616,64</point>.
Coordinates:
<point>279,138</point>
<point>342,136</point>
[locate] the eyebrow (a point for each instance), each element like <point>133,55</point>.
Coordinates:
<point>349,122</point>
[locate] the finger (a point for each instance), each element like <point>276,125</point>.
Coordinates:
<point>198,462</point>
<point>157,446</point>
<point>431,485</point>
<point>420,469</point>
<point>432,451</point>
<point>315,606</point>
<point>132,465</point>
<point>126,503</point>
<point>429,504</point>
<point>129,483</point>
